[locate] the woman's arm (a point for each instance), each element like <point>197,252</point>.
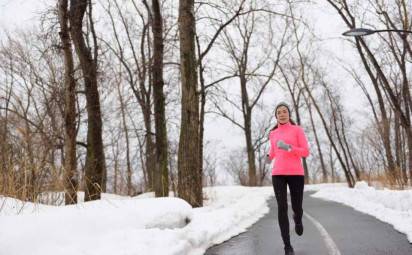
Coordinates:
<point>272,149</point>
<point>302,149</point>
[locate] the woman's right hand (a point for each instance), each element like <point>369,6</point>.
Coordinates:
<point>268,160</point>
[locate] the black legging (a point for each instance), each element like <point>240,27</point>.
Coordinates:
<point>296,185</point>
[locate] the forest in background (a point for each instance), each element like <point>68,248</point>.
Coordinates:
<point>113,96</point>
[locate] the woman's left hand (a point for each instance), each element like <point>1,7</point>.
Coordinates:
<point>284,146</point>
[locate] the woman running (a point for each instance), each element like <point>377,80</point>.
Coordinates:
<point>288,144</point>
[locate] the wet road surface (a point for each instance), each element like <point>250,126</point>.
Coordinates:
<point>329,228</point>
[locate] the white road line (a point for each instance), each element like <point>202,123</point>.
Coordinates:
<point>330,244</point>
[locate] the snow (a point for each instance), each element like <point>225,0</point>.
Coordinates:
<point>139,225</point>
<point>104,225</point>
<point>169,226</point>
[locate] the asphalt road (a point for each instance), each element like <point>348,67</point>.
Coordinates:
<point>329,228</point>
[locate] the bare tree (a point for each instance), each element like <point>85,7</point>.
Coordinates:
<point>33,109</point>
<point>136,60</point>
<point>125,129</point>
<point>190,180</point>
<point>5,146</point>
<point>317,140</point>
<point>210,164</point>
<point>162,176</point>
<point>310,75</point>
<point>95,160</point>
<point>201,67</point>
<point>237,169</point>
<point>246,26</point>
<point>379,76</point>
<point>327,128</point>
<point>70,162</point>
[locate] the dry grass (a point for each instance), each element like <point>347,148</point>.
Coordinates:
<point>385,180</point>
<point>18,183</point>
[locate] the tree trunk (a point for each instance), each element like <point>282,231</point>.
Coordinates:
<point>95,161</point>
<point>70,161</point>
<point>398,151</point>
<point>150,149</point>
<point>30,166</point>
<point>162,175</point>
<point>409,140</point>
<point>190,181</point>
<point>202,109</point>
<point>129,171</point>
<point>5,154</point>
<point>115,152</point>
<point>296,107</point>
<point>332,165</point>
<point>247,115</point>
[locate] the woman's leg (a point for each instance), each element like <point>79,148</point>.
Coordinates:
<point>296,187</point>
<point>280,188</point>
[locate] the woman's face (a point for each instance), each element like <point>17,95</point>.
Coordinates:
<point>282,114</point>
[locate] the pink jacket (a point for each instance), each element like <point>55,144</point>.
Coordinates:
<point>288,162</point>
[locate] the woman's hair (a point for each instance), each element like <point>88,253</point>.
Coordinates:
<point>277,124</point>
<point>287,106</point>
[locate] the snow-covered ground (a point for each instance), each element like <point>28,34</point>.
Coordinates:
<point>139,225</point>
<point>147,225</point>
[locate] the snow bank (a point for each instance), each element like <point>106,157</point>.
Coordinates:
<point>131,226</point>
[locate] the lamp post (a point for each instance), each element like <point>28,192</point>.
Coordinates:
<point>365,31</point>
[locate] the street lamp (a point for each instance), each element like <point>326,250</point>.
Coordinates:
<point>365,31</point>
